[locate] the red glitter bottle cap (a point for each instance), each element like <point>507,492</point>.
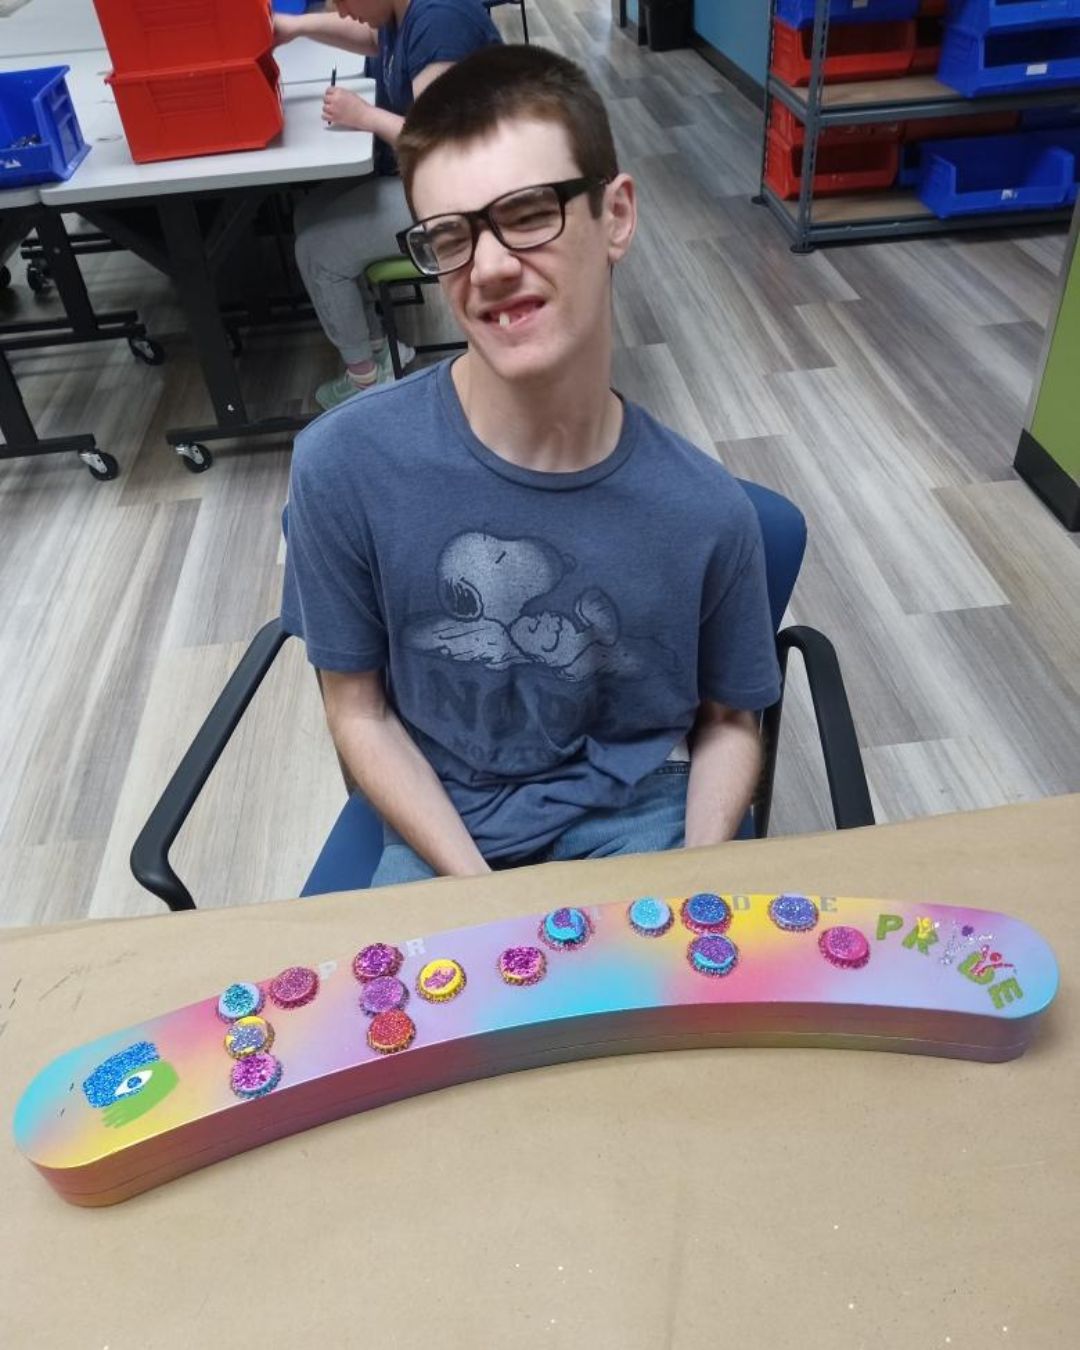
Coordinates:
<point>294,987</point>
<point>390,1032</point>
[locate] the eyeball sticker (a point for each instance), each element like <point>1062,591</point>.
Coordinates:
<point>130,1083</point>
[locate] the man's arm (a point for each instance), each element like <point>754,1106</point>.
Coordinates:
<point>394,776</point>
<point>341,108</point>
<point>725,765</point>
<point>349,35</point>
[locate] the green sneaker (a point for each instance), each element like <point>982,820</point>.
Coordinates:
<point>333,392</point>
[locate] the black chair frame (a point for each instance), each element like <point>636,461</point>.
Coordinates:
<point>848,790</point>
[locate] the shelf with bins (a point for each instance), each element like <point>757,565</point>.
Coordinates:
<point>835,116</point>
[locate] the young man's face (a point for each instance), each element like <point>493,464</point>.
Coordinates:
<point>373,12</point>
<point>556,299</point>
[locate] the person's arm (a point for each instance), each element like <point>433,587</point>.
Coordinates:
<point>348,35</point>
<point>394,776</point>
<point>725,765</point>
<point>344,109</point>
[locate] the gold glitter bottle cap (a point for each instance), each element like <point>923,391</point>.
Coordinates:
<point>440,980</point>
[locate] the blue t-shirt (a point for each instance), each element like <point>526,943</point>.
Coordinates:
<point>547,637</point>
<point>431,31</point>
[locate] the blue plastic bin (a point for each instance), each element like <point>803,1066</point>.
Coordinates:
<point>36,103</point>
<point>800,13</point>
<point>295,6</point>
<point>1067,139</point>
<point>995,173</point>
<point>1047,119</point>
<point>1010,62</point>
<point>984,16</point>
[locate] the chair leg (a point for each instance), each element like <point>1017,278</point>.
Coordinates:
<point>386,305</point>
<point>524,24</point>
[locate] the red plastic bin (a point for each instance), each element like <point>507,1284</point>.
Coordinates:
<point>156,35</point>
<point>856,166</point>
<point>788,127</point>
<point>209,110</point>
<point>857,51</point>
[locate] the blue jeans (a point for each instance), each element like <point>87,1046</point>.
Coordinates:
<point>653,820</point>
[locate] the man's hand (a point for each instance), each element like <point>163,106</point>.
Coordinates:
<point>343,109</point>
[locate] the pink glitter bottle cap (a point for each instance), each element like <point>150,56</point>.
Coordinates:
<point>522,965</point>
<point>255,1075</point>
<point>844,947</point>
<point>294,987</point>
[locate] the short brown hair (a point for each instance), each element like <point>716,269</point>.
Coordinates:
<point>498,84</point>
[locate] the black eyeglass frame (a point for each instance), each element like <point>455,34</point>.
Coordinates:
<point>565,190</point>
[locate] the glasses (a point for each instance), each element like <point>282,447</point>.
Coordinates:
<point>521,220</point>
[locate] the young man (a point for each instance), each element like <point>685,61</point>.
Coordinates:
<point>523,593</point>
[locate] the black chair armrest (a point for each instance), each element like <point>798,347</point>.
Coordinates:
<point>843,762</point>
<point>150,854</point>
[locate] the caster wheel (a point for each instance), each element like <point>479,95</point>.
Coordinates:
<point>38,278</point>
<point>194,457</point>
<point>102,467</point>
<point>5,278</point>
<point>146,350</point>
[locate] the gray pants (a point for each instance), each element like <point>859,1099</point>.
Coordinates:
<point>340,228</point>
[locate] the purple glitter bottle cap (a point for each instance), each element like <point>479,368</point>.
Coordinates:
<point>706,913</point>
<point>564,928</point>
<point>239,1000</point>
<point>793,913</point>
<point>844,947</point>
<point>522,965</point>
<point>382,994</point>
<point>713,954</point>
<point>377,959</point>
<point>255,1075</point>
<point>294,987</point>
<point>650,917</point>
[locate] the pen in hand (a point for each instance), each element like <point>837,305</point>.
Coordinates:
<point>333,82</point>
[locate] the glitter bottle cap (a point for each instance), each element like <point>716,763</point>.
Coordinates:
<point>440,980</point>
<point>564,928</point>
<point>294,987</point>
<point>382,994</point>
<point>522,965</point>
<point>391,1031</point>
<point>706,913</point>
<point>793,913</point>
<point>377,959</point>
<point>844,947</point>
<point>239,1000</point>
<point>650,917</point>
<point>247,1036</point>
<point>713,954</point>
<point>255,1075</point>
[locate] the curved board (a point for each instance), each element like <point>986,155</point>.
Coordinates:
<point>261,1060</point>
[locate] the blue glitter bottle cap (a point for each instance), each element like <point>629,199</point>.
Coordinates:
<point>713,954</point>
<point>793,913</point>
<point>240,1000</point>
<point>564,928</point>
<point>650,917</point>
<point>706,913</point>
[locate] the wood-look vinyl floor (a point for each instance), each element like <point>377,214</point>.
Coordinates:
<point>882,387</point>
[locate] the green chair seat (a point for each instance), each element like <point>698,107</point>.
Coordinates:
<point>384,270</point>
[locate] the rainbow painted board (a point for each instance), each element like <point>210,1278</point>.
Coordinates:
<point>262,1060</point>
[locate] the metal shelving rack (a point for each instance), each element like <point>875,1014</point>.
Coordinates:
<point>876,215</point>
